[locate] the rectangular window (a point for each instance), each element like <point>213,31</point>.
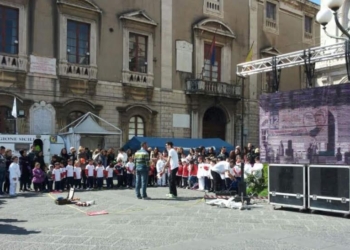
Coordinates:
<point>8,30</point>
<point>271,11</point>
<point>308,24</point>
<point>138,45</point>
<point>212,70</point>
<point>78,42</point>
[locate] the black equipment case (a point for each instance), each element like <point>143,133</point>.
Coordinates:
<point>287,185</point>
<point>329,187</point>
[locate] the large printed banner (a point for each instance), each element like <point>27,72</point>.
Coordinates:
<point>306,126</point>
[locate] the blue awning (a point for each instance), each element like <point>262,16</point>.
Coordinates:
<point>186,143</point>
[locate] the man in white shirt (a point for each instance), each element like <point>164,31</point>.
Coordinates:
<point>70,174</point>
<point>217,171</point>
<point>173,162</point>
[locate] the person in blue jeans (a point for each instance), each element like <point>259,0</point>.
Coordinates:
<point>142,161</point>
<point>2,168</point>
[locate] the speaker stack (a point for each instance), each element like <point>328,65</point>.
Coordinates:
<point>287,185</point>
<point>329,188</point>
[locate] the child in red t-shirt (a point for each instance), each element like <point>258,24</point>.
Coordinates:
<point>151,173</point>
<point>179,175</point>
<point>193,180</point>
<point>185,174</point>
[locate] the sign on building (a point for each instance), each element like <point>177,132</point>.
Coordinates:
<point>184,56</point>
<point>42,65</point>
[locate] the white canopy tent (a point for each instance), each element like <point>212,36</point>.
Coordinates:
<point>86,125</point>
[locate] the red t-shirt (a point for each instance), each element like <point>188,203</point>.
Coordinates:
<point>185,171</point>
<point>194,170</point>
<point>151,170</point>
<point>179,170</point>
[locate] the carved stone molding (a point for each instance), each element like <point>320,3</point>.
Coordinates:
<point>42,118</point>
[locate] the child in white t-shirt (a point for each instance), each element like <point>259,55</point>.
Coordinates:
<point>99,174</point>
<point>70,174</point>
<point>257,168</point>
<point>77,174</point>
<point>161,181</point>
<point>90,174</point>
<point>56,176</point>
<point>130,172</point>
<point>110,171</point>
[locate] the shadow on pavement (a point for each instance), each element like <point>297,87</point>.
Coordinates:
<point>11,220</point>
<point>12,229</point>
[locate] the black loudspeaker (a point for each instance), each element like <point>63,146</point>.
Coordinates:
<point>329,187</point>
<point>287,185</point>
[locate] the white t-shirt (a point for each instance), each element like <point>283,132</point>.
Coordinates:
<point>247,169</point>
<point>257,170</point>
<point>174,160</point>
<point>122,156</point>
<point>69,170</point>
<point>15,172</point>
<point>160,165</point>
<point>221,167</point>
<point>57,174</point>
<point>90,169</point>
<point>237,170</point>
<point>130,166</point>
<point>230,170</point>
<point>99,171</point>
<point>77,171</point>
<point>110,171</point>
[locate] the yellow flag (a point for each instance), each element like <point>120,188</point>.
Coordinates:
<point>250,54</point>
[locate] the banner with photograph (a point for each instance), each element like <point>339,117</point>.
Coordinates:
<point>306,126</point>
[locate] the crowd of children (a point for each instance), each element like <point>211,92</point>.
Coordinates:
<point>195,171</point>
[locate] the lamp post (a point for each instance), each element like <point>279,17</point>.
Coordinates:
<point>324,16</point>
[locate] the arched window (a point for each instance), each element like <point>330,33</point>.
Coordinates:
<point>74,115</point>
<point>136,127</point>
<point>7,121</point>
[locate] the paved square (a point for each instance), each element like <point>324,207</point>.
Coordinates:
<point>35,222</point>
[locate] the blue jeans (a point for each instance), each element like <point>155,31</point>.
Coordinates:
<point>192,180</point>
<point>141,182</point>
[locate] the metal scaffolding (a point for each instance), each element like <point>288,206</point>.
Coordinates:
<point>303,57</point>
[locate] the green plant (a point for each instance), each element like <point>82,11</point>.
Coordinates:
<point>258,186</point>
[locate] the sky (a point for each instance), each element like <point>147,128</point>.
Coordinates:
<point>316,1</point>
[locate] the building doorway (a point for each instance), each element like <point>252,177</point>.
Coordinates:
<point>214,123</point>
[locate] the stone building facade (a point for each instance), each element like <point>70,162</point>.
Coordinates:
<point>160,68</point>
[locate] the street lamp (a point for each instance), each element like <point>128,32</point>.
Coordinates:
<point>324,16</point>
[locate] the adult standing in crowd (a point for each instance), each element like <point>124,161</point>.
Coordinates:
<point>26,170</point>
<point>173,162</point>
<point>2,168</point>
<point>142,161</point>
<point>8,157</point>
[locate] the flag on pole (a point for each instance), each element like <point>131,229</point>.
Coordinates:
<point>14,108</point>
<point>213,51</point>
<point>250,54</point>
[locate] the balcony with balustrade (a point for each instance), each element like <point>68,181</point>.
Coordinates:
<point>13,63</point>
<point>211,88</point>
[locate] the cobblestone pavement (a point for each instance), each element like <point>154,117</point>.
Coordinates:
<point>34,222</point>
